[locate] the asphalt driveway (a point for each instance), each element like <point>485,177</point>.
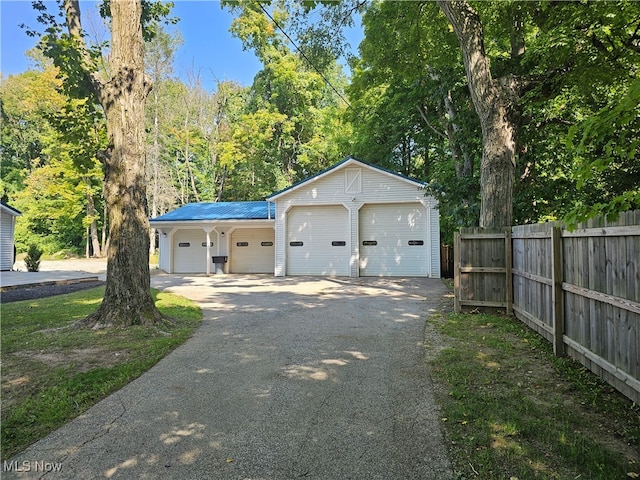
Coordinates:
<point>287,378</point>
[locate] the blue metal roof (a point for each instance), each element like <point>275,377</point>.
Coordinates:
<point>219,211</point>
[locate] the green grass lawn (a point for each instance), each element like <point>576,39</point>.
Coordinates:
<point>511,410</point>
<point>51,375</point>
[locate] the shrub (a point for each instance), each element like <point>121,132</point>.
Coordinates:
<point>32,260</point>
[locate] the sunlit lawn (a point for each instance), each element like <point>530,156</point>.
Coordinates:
<point>50,375</point>
<point>511,409</point>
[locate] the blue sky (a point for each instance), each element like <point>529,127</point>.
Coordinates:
<point>209,49</point>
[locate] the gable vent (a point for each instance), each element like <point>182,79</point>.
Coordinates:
<point>353,180</point>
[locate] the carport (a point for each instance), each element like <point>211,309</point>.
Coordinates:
<point>240,235</point>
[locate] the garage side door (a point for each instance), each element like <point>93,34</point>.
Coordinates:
<point>189,251</point>
<point>393,240</point>
<point>252,250</point>
<point>318,241</point>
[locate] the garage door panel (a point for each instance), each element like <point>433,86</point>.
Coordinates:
<point>190,251</point>
<point>393,240</point>
<point>252,250</point>
<point>317,241</point>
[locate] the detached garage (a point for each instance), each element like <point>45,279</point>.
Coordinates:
<point>356,219</point>
<point>353,219</point>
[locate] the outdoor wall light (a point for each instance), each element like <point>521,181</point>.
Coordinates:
<point>222,234</point>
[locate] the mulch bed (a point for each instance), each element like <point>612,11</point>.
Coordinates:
<point>41,291</point>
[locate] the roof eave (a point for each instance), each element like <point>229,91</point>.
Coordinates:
<point>225,221</point>
<point>10,210</point>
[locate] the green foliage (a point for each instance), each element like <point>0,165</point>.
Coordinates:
<point>606,146</point>
<point>291,126</point>
<point>582,63</point>
<point>55,195</point>
<point>32,259</point>
<point>27,101</point>
<point>412,111</point>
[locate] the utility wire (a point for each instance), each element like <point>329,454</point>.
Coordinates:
<point>326,80</point>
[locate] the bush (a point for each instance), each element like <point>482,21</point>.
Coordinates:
<point>32,260</point>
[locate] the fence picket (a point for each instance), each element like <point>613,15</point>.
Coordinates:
<point>580,289</point>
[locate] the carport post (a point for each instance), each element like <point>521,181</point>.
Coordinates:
<point>207,230</point>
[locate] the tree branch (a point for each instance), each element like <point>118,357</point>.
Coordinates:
<point>424,117</point>
<point>88,67</point>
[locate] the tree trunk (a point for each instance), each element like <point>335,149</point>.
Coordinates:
<point>155,169</point>
<point>463,159</point>
<point>187,154</point>
<point>495,103</point>
<point>127,299</point>
<point>92,230</point>
<point>223,180</point>
<point>105,222</point>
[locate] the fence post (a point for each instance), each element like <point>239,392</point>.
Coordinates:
<point>456,273</point>
<point>557,295</point>
<point>508,263</point>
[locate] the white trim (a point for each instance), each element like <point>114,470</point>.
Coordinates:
<point>213,223</point>
<point>10,210</point>
<point>207,232</point>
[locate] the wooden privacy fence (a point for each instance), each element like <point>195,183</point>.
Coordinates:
<point>446,261</point>
<point>579,289</point>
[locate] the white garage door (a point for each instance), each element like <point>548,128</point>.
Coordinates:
<point>393,240</point>
<point>190,251</point>
<point>318,241</point>
<point>252,250</point>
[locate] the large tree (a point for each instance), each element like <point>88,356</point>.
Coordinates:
<point>121,93</point>
<point>496,102</point>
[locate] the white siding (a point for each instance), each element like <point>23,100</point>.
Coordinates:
<point>393,240</point>
<point>376,186</point>
<point>6,240</point>
<point>252,250</point>
<point>318,241</point>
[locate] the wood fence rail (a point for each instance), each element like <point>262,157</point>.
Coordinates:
<point>580,289</point>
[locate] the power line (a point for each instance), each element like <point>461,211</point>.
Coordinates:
<point>304,55</point>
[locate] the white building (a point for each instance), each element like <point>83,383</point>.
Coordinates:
<point>353,219</point>
<point>8,217</point>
